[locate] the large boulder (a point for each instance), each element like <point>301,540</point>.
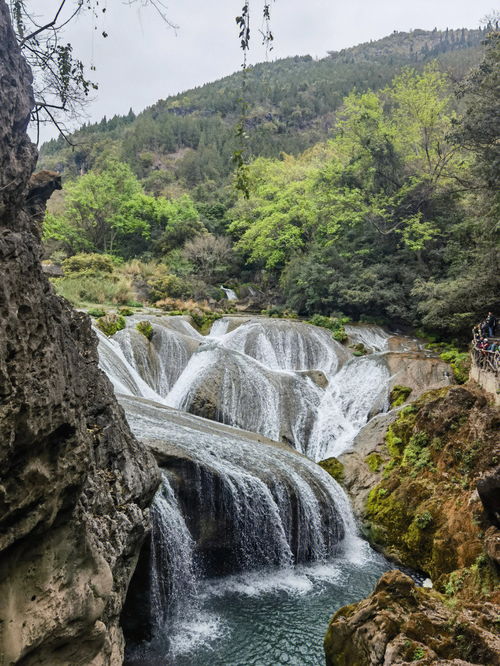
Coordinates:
<point>75,485</point>
<point>403,624</point>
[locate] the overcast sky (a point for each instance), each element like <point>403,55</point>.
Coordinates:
<point>142,60</point>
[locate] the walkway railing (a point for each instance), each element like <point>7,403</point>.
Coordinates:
<point>485,359</point>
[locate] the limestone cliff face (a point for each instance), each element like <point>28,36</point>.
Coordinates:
<point>75,485</point>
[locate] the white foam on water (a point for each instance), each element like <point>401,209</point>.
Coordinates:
<point>189,635</point>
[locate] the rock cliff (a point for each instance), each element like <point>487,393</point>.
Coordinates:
<point>75,485</point>
<point>426,483</point>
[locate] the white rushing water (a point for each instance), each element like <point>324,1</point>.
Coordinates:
<point>230,293</point>
<point>286,380</point>
<point>231,501</point>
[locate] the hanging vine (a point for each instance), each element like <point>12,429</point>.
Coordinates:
<point>241,155</point>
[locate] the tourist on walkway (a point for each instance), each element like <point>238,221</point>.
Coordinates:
<point>491,323</point>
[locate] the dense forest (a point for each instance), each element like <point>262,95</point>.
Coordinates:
<point>373,187</point>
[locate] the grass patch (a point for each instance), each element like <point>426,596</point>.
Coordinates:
<point>102,289</point>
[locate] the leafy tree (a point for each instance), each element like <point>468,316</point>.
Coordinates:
<point>211,257</point>
<point>179,220</point>
<point>99,205</point>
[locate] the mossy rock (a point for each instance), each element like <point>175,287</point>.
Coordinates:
<point>374,461</point>
<point>145,328</point>
<point>399,395</point>
<point>334,468</point>
<point>110,324</point>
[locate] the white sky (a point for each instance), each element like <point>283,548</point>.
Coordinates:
<point>142,60</point>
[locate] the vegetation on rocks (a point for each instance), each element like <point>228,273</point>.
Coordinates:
<point>333,324</point>
<point>110,324</point>
<point>399,395</point>
<point>145,328</point>
<point>401,623</point>
<point>425,512</point>
<point>334,468</point>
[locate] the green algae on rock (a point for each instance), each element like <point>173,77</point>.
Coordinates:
<point>334,468</point>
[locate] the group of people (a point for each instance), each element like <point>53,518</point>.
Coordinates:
<point>483,332</point>
<point>484,342</point>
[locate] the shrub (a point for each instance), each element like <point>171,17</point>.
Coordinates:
<point>204,320</point>
<point>333,324</point>
<point>145,328</point>
<point>88,264</point>
<point>125,312</point>
<point>460,364</point>
<point>167,286</point>
<point>104,289</point>
<point>110,324</point>
<point>96,312</point>
<point>280,311</point>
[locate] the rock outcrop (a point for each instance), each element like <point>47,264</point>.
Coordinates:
<point>425,485</point>
<point>413,478</point>
<point>403,624</point>
<point>75,485</point>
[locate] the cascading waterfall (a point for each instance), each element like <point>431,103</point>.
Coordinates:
<point>230,293</point>
<point>232,501</point>
<point>173,577</point>
<point>161,361</point>
<point>374,338</point>
<point>279,507</point>
<point>263,376</point>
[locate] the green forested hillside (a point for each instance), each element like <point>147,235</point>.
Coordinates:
<point>188,139</point>
<point>390,213</point>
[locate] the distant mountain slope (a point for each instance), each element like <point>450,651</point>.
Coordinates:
<point>187,139</point>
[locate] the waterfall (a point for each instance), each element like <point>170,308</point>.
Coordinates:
<point>233,388</point>
<point>173,579</point>
<point>161,360</point>
<point>124,377</point>
<point>357,392</point>
<point>230,294</point>
<point>237,494</point>
<point>287,345</point>
<point>286,380</point>
<point>277,507</point>
<point>374,338</point>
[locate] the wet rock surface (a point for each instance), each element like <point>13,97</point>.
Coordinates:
<point>75,485</point>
